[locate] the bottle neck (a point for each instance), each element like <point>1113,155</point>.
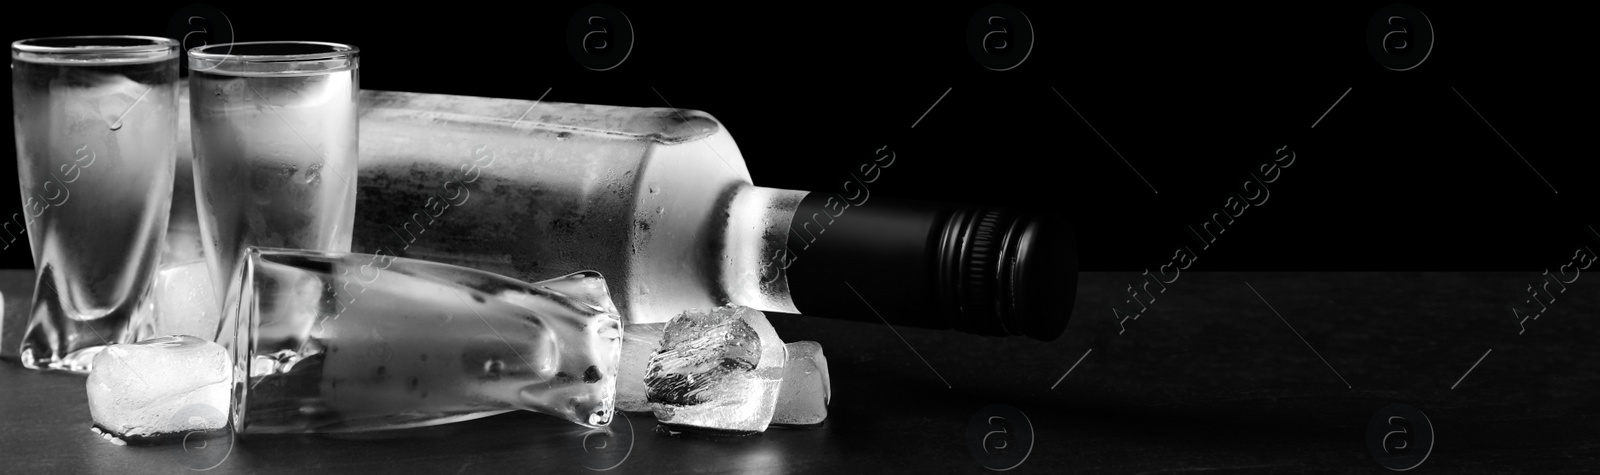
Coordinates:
<point>755,247</point>
<point>978,270</point>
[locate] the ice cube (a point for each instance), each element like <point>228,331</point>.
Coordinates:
<point>718,370</point>
<point>95,101</point>
<point>185,301</point>
<point>639,342</point>
<point>805,395</point>
<point>156,387</point>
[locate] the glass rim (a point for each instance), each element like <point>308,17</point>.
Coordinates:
<point>336,51</point>
<point>156,45</point>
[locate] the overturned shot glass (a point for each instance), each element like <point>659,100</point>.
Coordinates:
<point>336,342</point>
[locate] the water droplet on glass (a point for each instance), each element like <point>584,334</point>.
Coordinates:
<point>493,367</point>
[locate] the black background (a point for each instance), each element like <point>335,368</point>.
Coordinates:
<point>1401,175</point>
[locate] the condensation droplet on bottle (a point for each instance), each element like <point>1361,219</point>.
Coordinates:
<point>312,173</point>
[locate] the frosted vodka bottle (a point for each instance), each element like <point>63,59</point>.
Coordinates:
<point>660,202</point>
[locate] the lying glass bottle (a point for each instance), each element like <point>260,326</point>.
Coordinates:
<point>660,201</point>
<point>330,342</point>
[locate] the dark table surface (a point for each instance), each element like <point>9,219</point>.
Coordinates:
<point>1226,372</point>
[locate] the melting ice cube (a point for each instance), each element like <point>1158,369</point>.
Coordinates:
<point>162,386</point>
<point>805,395</point>
<point>802,400</point>
<point>639,342</point>
<point>718,370</point>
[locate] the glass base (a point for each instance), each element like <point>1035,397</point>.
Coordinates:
<point>59,338</point>
<point>74,362</point>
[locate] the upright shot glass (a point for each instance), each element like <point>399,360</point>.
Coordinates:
<point>274,132</point>
<point>96,123</point>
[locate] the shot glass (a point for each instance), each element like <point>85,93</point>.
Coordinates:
<point>342,342</point>
<point>274,132</point>
<point>96,123</point>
